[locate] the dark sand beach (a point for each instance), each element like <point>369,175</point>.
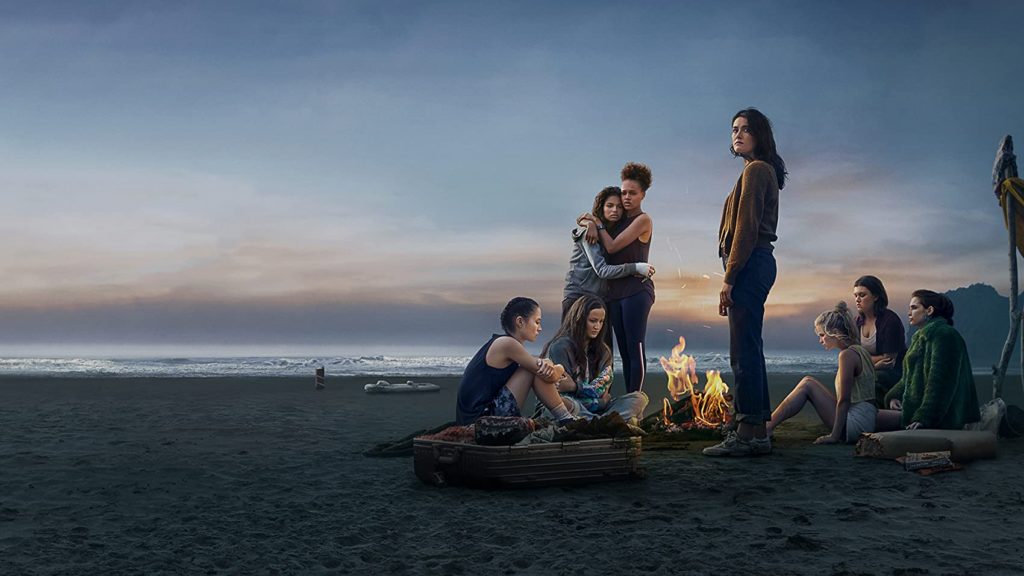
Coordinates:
<point>267,476</point>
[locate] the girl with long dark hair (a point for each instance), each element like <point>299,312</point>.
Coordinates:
<point>589,269</point>
<point>937,388</point>
<point>579,346</point>
<point>745,237</point>
<point>881,332</point>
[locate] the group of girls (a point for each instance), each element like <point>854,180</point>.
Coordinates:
<point>572,378</point>
<point>609,263</point>
<point>880,384</point>
<point>608,286</point>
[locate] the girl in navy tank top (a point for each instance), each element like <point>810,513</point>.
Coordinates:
<point>500,376</point>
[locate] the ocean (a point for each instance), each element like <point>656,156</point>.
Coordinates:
<point>366,364</point>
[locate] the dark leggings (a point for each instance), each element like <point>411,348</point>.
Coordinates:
<point>629,319</point>
<point>746,348</point>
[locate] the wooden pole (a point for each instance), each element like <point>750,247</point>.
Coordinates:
<point>1006,167</point>
<point>1011,338</point>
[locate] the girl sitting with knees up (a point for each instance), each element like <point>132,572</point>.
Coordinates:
<point>501,374</point>
<point>579,346</point>
<point>850,410</point>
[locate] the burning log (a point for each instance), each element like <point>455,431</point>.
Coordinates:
<point>677,412</point>
<point>709,408</point>
<point>691,413</point>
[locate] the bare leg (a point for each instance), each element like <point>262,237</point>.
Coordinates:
<point>888,420</point>
<point>522,381</point>
<point>807,390</point>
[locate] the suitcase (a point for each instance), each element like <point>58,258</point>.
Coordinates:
<point>438,462</point>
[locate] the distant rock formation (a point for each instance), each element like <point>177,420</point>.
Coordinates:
<point>982,317</point>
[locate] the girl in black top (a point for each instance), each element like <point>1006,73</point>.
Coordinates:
<point>501,374</point>
<point>629,299</point>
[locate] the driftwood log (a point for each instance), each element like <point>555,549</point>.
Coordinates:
<point>402,446</point>
<point>963,445</point>
<point>1006,167</point>
<point>660,439</point>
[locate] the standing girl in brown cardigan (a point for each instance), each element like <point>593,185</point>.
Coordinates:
<point>745,238</point>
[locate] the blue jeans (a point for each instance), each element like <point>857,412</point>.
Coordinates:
<point>746,348</point>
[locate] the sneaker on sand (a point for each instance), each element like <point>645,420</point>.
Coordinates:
<point>733,445</point>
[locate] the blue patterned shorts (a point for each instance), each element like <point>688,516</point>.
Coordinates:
<point>504,404</point>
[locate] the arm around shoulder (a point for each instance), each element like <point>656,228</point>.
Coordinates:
<point>600,265</point>
<point>643,225</point>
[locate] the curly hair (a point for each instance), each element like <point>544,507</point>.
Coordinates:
<point>638,172</point>
<point>603,197</point>
<point>838,323</point>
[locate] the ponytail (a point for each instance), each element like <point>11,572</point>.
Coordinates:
<point>838,323</point>
<point>518,306</point>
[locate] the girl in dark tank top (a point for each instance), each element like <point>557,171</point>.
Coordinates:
<point>501,375</point>
<point>630,299</point>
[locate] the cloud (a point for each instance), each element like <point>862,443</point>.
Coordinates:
<point>424,164</point>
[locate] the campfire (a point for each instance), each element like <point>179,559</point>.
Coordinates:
<point>691,407</point>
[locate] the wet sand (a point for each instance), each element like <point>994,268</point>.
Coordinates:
<point>266,476</point>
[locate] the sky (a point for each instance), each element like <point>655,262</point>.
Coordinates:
<point>385,174</point>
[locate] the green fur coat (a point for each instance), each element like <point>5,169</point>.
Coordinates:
<point>937,388</point>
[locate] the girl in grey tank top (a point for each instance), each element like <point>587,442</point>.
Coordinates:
<point>848,410</point>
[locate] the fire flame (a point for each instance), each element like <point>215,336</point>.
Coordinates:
<point>710,406</point>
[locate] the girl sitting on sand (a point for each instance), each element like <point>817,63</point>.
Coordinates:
<point>501,374</point>
<point>851,409</point>
<point>881,333</point>
<point>580,347</point>
<point>937,389</point>
<point>589,271</point>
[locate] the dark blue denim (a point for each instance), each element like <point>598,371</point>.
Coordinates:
<point>746,347</point>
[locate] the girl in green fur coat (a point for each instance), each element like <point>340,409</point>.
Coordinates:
<point>937,387</point>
